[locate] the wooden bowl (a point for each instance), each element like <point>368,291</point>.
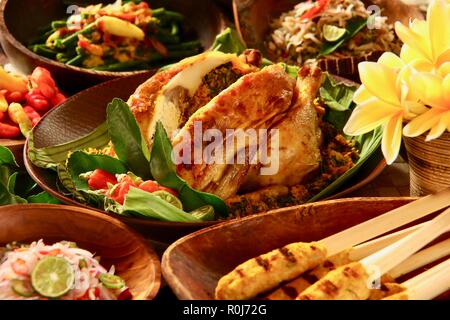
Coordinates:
<point>193,265</point>
<point>252,18</point>
<point>18,26</point>
<point>82,113</point>
<point>110,239</point>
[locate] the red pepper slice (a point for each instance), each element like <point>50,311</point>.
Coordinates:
<point>122,189</point>
<point>149,186</point>
<point>319,6</point>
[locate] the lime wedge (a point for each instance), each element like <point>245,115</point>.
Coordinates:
<point>53,277</point>
<point>111,281</point>
<point>170,198</point>
<point>205,213</point>
<point>332,33</point>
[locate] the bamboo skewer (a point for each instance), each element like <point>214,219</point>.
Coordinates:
<point>422,258</point>
<point>428,285</point>
<point>386,222</point>
<point>368,248</point>
<point>393,255</point>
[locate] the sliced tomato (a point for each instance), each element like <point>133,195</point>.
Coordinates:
<point>99,180</point>
<point>20,267</point>
<point>149,186</point>
<point>169,190</point>
<point>319,6</point>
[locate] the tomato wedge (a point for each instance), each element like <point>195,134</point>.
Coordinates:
<point>319,6</point>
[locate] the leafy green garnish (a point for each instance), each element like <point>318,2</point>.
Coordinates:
<point>144,204</point>
<point>16,186</point>
<point>127,139</point>
<point>354,26</point>
<point>164,171</point>
<point>228,41</point>
<point>338,97</point>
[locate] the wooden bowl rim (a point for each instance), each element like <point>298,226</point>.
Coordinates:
<point>175,282</point>
<point>17,44</point>
<point>156,283</point>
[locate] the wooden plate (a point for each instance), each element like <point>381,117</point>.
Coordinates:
<point>193,265</point>
<point>110,239</point>
<point>18,26</point>
<point>252,18</point>
<point>82,113</point>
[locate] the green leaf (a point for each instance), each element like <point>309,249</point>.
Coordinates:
<point>51,157</point>
<point>354,26</point>
<point>7,198</point>
<point>228,41</point>
<point>80,162</point>
<point>12,182</point>
<point>127,139</point>
<point>144,204</point>
<point>164,171</point>
<point>337,95</point>
<point>43,197</point>
<point>7,157</point>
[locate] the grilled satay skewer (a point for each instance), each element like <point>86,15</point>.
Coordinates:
<point>290,290</point>
<point>426,286</point>
<point>352,281</point>
<point>266,272</point>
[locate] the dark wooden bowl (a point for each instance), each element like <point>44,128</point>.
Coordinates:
<point>109,238</point>
<point>193,265</point>
<point>82,113</point>
<point>252,18</point>
<point>20,21</point>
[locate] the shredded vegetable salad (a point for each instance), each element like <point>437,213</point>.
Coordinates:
<point>59,271</point>
<point>329,29</point>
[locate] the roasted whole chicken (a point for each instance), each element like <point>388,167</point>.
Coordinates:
<point>239,131</point>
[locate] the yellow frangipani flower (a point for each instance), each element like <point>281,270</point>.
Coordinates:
<point>427,43</point>
<point>434,91</point>
<point>381,100</point>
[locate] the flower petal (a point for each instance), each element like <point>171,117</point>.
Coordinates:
<point>369,116</point>
<point>392,139</point>
<point>437,130</point>
<point>438,27</point>
<point>444,57</point>
<point>380,81</point>
<point>361,95</point>
<point>422,123</point>
<point>391,60</point>
<point>446,88</point>
<point>413,39</point>
<point>429,88</point>
<point>444,69</point>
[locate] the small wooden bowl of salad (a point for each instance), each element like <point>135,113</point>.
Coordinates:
<point>336,34</point>
<point>93,256</point>
<point>102,40</point>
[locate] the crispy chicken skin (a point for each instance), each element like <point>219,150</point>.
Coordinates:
<point>348,282</point>
<point>267,271</point>
<point>299,135</point>
<point>256,101</point>
<point>144,102</point>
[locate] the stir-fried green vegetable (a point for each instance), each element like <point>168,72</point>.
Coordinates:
<point>131,36</point>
